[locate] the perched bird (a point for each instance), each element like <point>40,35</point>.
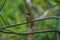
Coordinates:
<point>29,19</point>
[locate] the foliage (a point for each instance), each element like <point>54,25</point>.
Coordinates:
<point>14,13</point>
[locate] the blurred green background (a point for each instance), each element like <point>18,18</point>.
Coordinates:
<point>14,13</point>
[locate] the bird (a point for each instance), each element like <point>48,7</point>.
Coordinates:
<point>29,19</point>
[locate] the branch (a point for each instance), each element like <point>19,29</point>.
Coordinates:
<point>39,19</point>
<point>6,23</point>
<point>1,15</point>
<point>2,5</point>
<point>34,32</point>
<point>26,6</point>
<point>45,13</point>
<point>4,20</point>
